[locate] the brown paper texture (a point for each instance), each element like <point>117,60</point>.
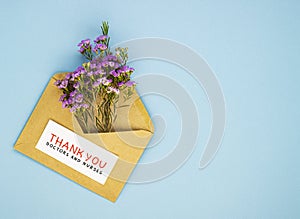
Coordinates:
<point>134,130</point>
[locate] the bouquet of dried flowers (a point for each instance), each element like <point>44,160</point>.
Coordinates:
<point>92,91</point>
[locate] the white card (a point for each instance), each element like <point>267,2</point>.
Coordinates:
<point>76,152</point>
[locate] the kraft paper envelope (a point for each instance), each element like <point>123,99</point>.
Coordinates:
<point>134,131</point>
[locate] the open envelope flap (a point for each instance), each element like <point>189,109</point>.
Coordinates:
<point>128,143</point>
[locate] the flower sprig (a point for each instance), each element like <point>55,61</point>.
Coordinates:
<point>104,75</point>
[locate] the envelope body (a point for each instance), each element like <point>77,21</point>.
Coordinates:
<point>134,130</point>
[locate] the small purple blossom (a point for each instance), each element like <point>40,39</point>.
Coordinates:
<point>79,71</point>
<point>57,83</point>
<point>100,38</point>
<point>76,85</point>
<point>112,89</point>
<point>90,73</point>
<point>104,64</point>
<point>97,83</point>
<point>73,93</point>
<point>107,81</point>
<point>93,65</point>
<point>100,46</point>
<point>110,58</point>
<point>125,69</point>
<point>84,43</point>
<point>62,97</point>
<point>81,50</point>
<point>84,46</point>
<point>71,100</point>
<point>63,84</point>
<point>103,81</point>
<point>65,104</point>
<point>111,64</point>
<point>84,105</point>
<point>117,65</point>
<point>99,72</point>
<point>74,108</point>
<point>79,98</point>
<point>115,73</point>
<point>120,84</point>
<point>68,76</point>
<point>130,83</point>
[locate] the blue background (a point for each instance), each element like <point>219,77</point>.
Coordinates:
<point>252,46</point>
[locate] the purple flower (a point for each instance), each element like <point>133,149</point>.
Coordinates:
<point>76,85</point>
<point>71,100</point>
<point>125,69</point>
<point>111,64</point>
<point>84,43</point>
<point>79,71</point>
<point>100,46</point>
<point>97,83</point>
<point>120,84</point>
<point>107,82</point>
<point>68,76</point>
<point>112,89</point>
<point>62,97</point>
<point>79,98</point>
<point>100,38</point>
<point>90,73</point>
<point>115,73</point>
<point>84,105</point>
<point>76,74</point>
<point>111,58</point>
<point>95,50</point>
<point>130,83</point>
<point>57,83</point>
<point>72,77</point>
<point>104,81</point>
<point>81,50</point>
<point>73,93</point>
<point>99,65</point>
<point>65,104</point>
<point>93,65</point>
<point>63,84</point>
<point>117,65</point>
<point>74,108</point>
<point>98,72</point>
<point>104,64</point>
